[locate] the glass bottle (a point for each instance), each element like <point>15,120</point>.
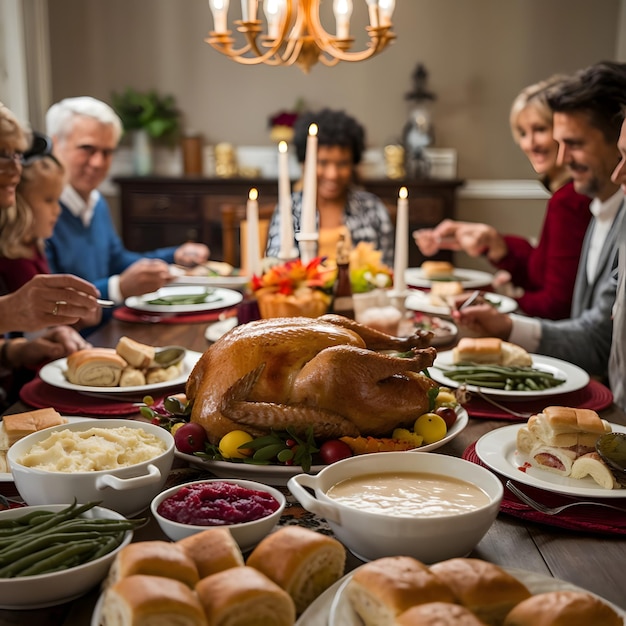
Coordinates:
<point>343,303</point>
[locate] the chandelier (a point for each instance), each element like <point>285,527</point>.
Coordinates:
<point>293,32</point>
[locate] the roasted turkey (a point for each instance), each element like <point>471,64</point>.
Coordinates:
<point>325,372</point>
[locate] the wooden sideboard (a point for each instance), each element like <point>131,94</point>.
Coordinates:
<point>159,211</point>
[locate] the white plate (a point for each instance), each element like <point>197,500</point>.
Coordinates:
<point>497,449</point>
<point>573,376</point>
<point>216,330</point>
<point>280,474</point>
<point>333,608</point>
<point>218,299</point>
<point>226,282</point>
<point>470,279</point>
<point>54,374</point>
<point>420,301</point>
<point>7,477</point>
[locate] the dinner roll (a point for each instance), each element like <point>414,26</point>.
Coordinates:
<point>563,608</point>
<point>95,367</point>
<point>381,590</point>
<point>154,558</point>
<point>482,587</point>
<point>304,563</point>
<point>151,601</point>
<point>438,614</point>
<point>243,596</point>
<point>137,354</point>
<point>212,550</point>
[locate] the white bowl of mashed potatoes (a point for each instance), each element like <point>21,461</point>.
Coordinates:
<point>429,506</point>
<point>120,463</point>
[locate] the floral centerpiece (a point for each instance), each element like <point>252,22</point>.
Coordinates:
<point>293,289</point>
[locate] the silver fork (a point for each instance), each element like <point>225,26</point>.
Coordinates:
<point>464,393</point>
<point>554,510</point>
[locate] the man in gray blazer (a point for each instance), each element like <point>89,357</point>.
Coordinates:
<point>587,119</point>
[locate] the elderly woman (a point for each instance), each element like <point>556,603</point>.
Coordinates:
<point>42,301</point>
<point>342,208</point>
<point>544,274</point>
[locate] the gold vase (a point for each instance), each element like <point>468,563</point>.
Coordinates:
<point>311,303</point>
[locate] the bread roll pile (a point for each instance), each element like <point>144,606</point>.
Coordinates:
<point>130,364</point>
<point>401,591</point>
<point>562,440</point>
<point>202,580</point>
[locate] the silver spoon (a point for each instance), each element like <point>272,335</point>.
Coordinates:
<point>167,356</point>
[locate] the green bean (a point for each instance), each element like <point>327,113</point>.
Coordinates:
<point>108,546</point>
<point>56,561</point>
<point>35,543</point>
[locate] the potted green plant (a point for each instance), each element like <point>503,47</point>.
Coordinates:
<point>148,117</point>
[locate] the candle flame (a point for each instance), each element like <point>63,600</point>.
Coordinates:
<point>254,194</point>
<point>282,146</point>
<point>404,193</point>
<point>313,129</point>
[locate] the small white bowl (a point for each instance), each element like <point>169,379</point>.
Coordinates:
<point>246,534</point>
<point>34,592</point>
<point>127,490</point>
<point>372,536</point>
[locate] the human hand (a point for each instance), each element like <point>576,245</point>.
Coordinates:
<point>48,299</point>
<point>190,254</point>
<point>56,343</point>
<point>474,239</point>
<point>426,241</point>
<point>144,276</point>
<point>484,320</point>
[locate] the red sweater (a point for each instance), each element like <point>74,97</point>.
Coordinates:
<point>16,272</point>
<point>547,273</point>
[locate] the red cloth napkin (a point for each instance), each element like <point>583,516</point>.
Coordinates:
<point>41,395</point>
<point>595,396</point>
<point>586,519</point>
<point>125,314</point>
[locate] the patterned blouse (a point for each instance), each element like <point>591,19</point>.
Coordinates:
<point>366,218</point>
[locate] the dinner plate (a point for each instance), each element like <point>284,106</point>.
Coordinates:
<point>54,374</point>
<point>226,282</point>
<point>470,279</point>
<point>444,331</point>
<point>497,450</point>
<point>420,301</point>
<point>573,377</point>
<point>279,475</point>
<point>7,477</point>
<point>217,298</point>
<point>333,608</point>
<point>216,330</point>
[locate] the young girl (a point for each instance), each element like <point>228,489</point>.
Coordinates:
<point>25,226</point>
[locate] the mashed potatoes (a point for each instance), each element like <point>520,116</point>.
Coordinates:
<point>93,450</point>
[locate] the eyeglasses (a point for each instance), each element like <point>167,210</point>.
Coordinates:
<point>6,158</point>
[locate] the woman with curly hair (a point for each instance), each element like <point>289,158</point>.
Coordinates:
<point>342,207</point>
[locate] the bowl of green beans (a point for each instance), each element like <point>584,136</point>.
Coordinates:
<point>53,553</point>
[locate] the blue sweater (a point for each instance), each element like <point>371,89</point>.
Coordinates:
<point>93,252</point>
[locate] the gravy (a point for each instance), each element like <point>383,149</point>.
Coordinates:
<point>409,494</point>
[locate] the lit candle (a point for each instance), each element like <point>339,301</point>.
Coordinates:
<point>219,8</point>
<point>308,223</point>
<point>252,242</point>
<point>284,204</point>
<point>402,242</point>
<point>343,11</point>
<point>385,11</point>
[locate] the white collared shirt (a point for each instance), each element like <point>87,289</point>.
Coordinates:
<point>604,213</point>
<point>77,206</point>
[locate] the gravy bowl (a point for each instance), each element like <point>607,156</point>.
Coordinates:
<point>127,490</point>
<point>372,535</point>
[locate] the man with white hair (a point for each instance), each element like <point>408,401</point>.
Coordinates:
<point>85,133</point>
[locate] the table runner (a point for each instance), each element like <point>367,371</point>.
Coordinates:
<point>585,519</point>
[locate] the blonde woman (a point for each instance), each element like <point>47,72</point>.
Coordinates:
<point>544,274</point>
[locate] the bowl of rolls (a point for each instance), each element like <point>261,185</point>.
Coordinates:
<point>428,506</point>
<point>120,463</point>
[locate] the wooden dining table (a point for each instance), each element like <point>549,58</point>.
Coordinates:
<point>592,561</point>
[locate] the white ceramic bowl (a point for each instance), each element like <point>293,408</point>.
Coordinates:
<point>246,534</point>
<point>127,490</point>
<point>371,536</point>
<point>32,592</point>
